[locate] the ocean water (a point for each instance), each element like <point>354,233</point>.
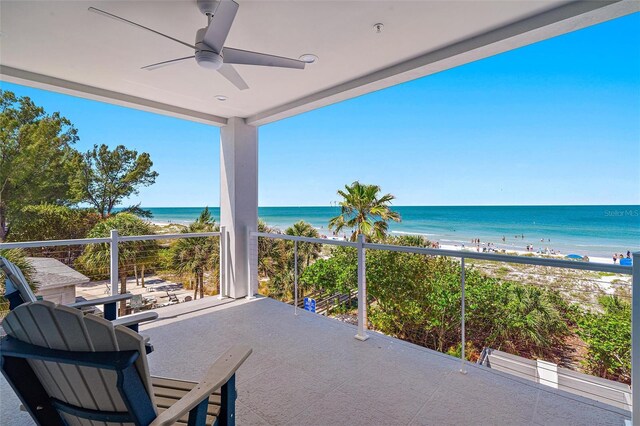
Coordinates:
<point>586,230</point>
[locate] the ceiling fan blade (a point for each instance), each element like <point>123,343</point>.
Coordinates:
<point>230,73</point>
<point>126,21</point>
<point>245,57</point>
<point>165,63</point>
<point>220,24</point>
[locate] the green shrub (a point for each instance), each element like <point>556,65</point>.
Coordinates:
<point>417,298</point>
<point>608,337</point>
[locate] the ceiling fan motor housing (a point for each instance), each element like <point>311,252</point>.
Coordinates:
<point>207,7</point>
<point>205,57</point>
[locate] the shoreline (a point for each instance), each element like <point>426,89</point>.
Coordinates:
<point>497,248</point>
<point>593,231</point>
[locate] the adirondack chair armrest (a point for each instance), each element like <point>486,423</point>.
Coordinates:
<point>101,300</point>
<point>220,372</point>
<point>134,319</point>
<point>109,303</point>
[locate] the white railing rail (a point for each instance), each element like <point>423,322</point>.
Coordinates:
<point>305,239</point>
<point>504,258</point>
<point>54,243</point>
<point>86,241</point>
<point>114,239</point>
<point>361,246</point>
<point>168,236</point>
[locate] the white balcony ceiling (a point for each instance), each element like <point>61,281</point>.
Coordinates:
<point>60,45</point>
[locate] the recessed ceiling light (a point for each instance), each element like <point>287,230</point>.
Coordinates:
<point>378,27</point>
<point>309,58</point>
<point>221,98</point>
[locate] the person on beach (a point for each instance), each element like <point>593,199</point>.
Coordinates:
<point>615,258</point>
<point>628,254</point>
<point>503,239</point>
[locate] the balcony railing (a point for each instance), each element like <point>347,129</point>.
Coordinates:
<point>578,283</point>
<point>174,268</point>
<point>158,270</point>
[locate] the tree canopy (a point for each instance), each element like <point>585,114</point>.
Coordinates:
<point>35,157</point>
<point>52,222</point>
<point>95,258</point>
<point>364,211</point>
<point>105,177</point>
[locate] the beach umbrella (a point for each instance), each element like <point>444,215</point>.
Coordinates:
<point>573,257</point>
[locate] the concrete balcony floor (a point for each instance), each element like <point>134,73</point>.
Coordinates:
<point>308,369</point>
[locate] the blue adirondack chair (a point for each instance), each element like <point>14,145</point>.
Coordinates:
<point>70,368</point>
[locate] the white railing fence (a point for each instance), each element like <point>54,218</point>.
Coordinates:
<point>361,246</point>
<point>135,254</point>
<point>114,242</point>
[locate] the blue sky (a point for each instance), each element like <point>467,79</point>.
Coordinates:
<point>557,122</point>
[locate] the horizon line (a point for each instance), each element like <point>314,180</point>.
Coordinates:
<point>410,205</point>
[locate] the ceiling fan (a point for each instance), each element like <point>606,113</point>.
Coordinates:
<point>209,49</point>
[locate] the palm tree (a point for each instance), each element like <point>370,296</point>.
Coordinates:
<point>306,251</point>
<point>19,258</point>
<point>271,252</point>
<point>195,256</point>
<point>131,254</point>
<point>364,211</point>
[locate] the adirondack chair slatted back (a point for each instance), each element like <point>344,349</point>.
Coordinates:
<point>62,328</point>
<point>17,281</point>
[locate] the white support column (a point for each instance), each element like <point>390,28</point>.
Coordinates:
<point>238,199</point>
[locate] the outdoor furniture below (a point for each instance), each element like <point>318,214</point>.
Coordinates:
<point>17,291</point>
<point>172,298</point>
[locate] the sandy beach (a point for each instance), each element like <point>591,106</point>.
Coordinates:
<point>497,248</point>
<point>494,248</point>
<point>593,259</point>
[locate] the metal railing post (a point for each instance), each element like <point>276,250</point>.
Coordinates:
<point>223,263</point>
<point>250,294</point>
<point>113,262</point>
<point>362,291</point>
<point>635,339</point>
<point>295,277</point>
<point>462,329</point>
